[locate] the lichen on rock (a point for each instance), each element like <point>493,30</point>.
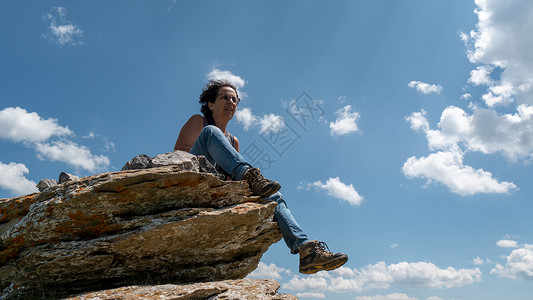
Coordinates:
<point>156,225</point>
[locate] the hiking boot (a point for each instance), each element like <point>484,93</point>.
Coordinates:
<point>259,185</point>
<point>314,257</point>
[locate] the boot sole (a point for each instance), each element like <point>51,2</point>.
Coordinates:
<point>327,267</point>
<point>270,191</point>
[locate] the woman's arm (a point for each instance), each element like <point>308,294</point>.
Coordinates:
<point>189,133</point>
<point>236,144</point>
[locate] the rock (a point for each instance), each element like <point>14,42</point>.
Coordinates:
<point>206,166</point>
<point>229,289</point>
<point>141,161</point>
<point>184,160</point>
<point>65,177</point>
<point>158,225</point>
<point>46,183</point>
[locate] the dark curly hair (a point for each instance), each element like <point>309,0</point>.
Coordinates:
<point>210,93</point>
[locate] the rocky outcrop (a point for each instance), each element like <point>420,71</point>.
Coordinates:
<point>157,225</point>
<point>228,289</point>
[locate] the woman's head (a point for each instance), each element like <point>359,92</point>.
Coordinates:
<point>210,94</point>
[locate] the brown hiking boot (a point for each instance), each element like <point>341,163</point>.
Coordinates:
<point>314,258</point>
<point>259,185</point>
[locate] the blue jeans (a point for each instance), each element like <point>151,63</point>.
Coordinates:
<point>212,144</point>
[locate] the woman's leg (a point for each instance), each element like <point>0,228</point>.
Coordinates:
<point>212,144</point>
<point>292,234</point>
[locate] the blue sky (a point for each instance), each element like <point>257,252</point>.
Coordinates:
<point>401,131</point>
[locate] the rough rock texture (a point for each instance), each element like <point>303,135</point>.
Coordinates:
<point>230,289</point>
<point>159,225</point>
<point>64,177</point>
<point>46,183</point>
<point>182,159</point>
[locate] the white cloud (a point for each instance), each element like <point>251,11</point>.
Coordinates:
<point>245,117</point>
<point>311,295</point>
<point>73,154</point>
<point>339,190</point>
<point>394,245</point>
<point>381,276</point>
<point>264,271</point>
<point>425,88</point>
<point>503,39</point>
<point>270,123</point>
<point>12,179</point>
<point>393,296</point>
<point>217,74</point>
<point>18,125</point>
<point>507,244</point>
<point>61,30</point>
<point>447,168</point>
<point>483,131</point>
<point>519,264</point>
<point>481,75</point>
<point>478,261</point>
<point>311,283</point>
<point>346,121</point>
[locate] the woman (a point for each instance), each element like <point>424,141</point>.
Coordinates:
<point>207,135</point>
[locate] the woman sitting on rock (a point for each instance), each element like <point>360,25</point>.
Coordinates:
<point>207,135</point>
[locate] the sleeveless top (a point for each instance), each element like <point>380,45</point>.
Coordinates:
<point>231,139</point>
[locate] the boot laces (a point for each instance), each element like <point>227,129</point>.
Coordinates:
<point>321,247</point>
<point>255,176</point>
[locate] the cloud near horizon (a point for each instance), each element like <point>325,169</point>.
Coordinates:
<point>382,276</point>
<point>48,139</point>
<point>12,178</point>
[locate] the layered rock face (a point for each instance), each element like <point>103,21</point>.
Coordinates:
<point>221,290</point>
<point>156,225</point>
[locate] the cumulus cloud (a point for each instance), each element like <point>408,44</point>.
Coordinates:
<point>270,271</point>
<point>446,167</point>
<point>337,189</point>
<point>425,88</point>
<point>313,283</point>
<point>507,244</point>
<point>346,121</point>
<point>19,125</point>
<point>381,275</point>
<point>12,178</point>
<point>485,130</point>
<point>481,75</point>
<point>236,80</point>
<point>48,138</point>
<point>269,123</point>
<point>71,153</point>
<point>60,30</point>
<point>503,39</point>
<point>311,295</point>
<point>393,296</point>
<point>519,264</point>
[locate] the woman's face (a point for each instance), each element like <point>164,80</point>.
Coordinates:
<point>225,104</point>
